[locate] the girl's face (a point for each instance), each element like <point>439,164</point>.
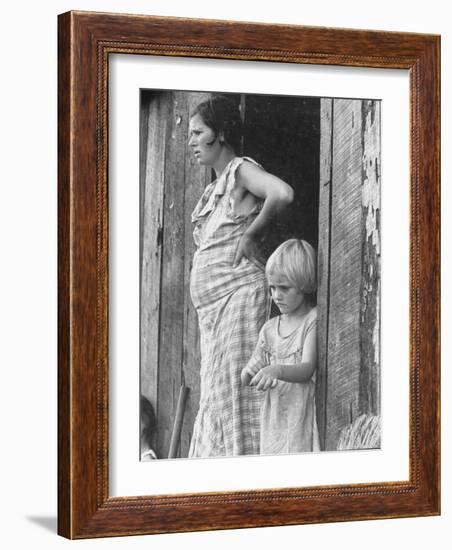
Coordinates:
<point>287,297</point>
<point>205,146</point>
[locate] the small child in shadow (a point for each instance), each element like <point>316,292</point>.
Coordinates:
<point>147,430</point>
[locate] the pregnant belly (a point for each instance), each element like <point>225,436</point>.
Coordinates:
<point>213,281</point>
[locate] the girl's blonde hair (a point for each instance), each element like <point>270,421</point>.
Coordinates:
<point>295,260</point>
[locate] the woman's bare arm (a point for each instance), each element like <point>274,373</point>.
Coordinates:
<point>277,196</point>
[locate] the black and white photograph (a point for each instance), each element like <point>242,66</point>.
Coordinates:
<point>260,268</point>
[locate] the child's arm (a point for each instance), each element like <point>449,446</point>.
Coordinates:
<point>299,372</point>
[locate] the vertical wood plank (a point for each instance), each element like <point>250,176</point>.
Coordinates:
<point>172,286</point>
<point>242,109</point>
<point>369,395</point>
<point>145,98</point>
<point>196,178</point>
<point>323,280</point>
<point>346,269</point>
<point>156,111</point>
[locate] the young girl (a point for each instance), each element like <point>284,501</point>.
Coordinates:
<point>285,359</point>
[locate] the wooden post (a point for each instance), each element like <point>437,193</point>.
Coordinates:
<point>196,179</point>
<point>349,266</point>
<point>369,395</point>
<point>155,108</point>
<point>323,271</point>
<point>345,270</point>
<point>172,275</point>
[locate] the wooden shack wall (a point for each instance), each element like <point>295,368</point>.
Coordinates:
<point>349,265</point>
<point>172,184</point>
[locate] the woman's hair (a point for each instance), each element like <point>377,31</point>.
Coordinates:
<point>221,114</point>
<point>295,260</point>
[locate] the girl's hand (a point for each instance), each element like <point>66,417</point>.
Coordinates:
<point>266,378</point>
<point>248,248</point>
<point>250,371</point>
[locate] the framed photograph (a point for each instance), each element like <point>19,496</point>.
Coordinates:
<point>248,275</point>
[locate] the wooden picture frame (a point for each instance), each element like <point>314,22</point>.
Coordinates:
<point>86,40</point>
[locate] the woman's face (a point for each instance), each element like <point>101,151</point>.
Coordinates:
<point>205,146</point>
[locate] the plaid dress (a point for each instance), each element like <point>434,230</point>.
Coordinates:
<point>232,305</point>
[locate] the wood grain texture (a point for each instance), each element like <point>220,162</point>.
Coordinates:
<point>154,109</point>
<point>227,39</point>
<point>64,294</point>
<point>425,268</point>
<point>175,182</point>
<point>369,383</point>
<point>172,293</point>
<point>349,266</point>
<point>196,177</point>
<point>144,135</point>
<point>344,358</point>
<point>85,41</point>
<point>323,271</point>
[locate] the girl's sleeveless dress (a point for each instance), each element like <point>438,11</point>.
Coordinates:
<point>232,306</point>
<point>288,420</point>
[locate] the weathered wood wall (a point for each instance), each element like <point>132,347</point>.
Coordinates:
<point>369,395</point>
<point>349,265</point>
<point>152,153</point>
<point>169,335</point>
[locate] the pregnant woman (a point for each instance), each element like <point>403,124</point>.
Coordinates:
<point>228,287</point>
